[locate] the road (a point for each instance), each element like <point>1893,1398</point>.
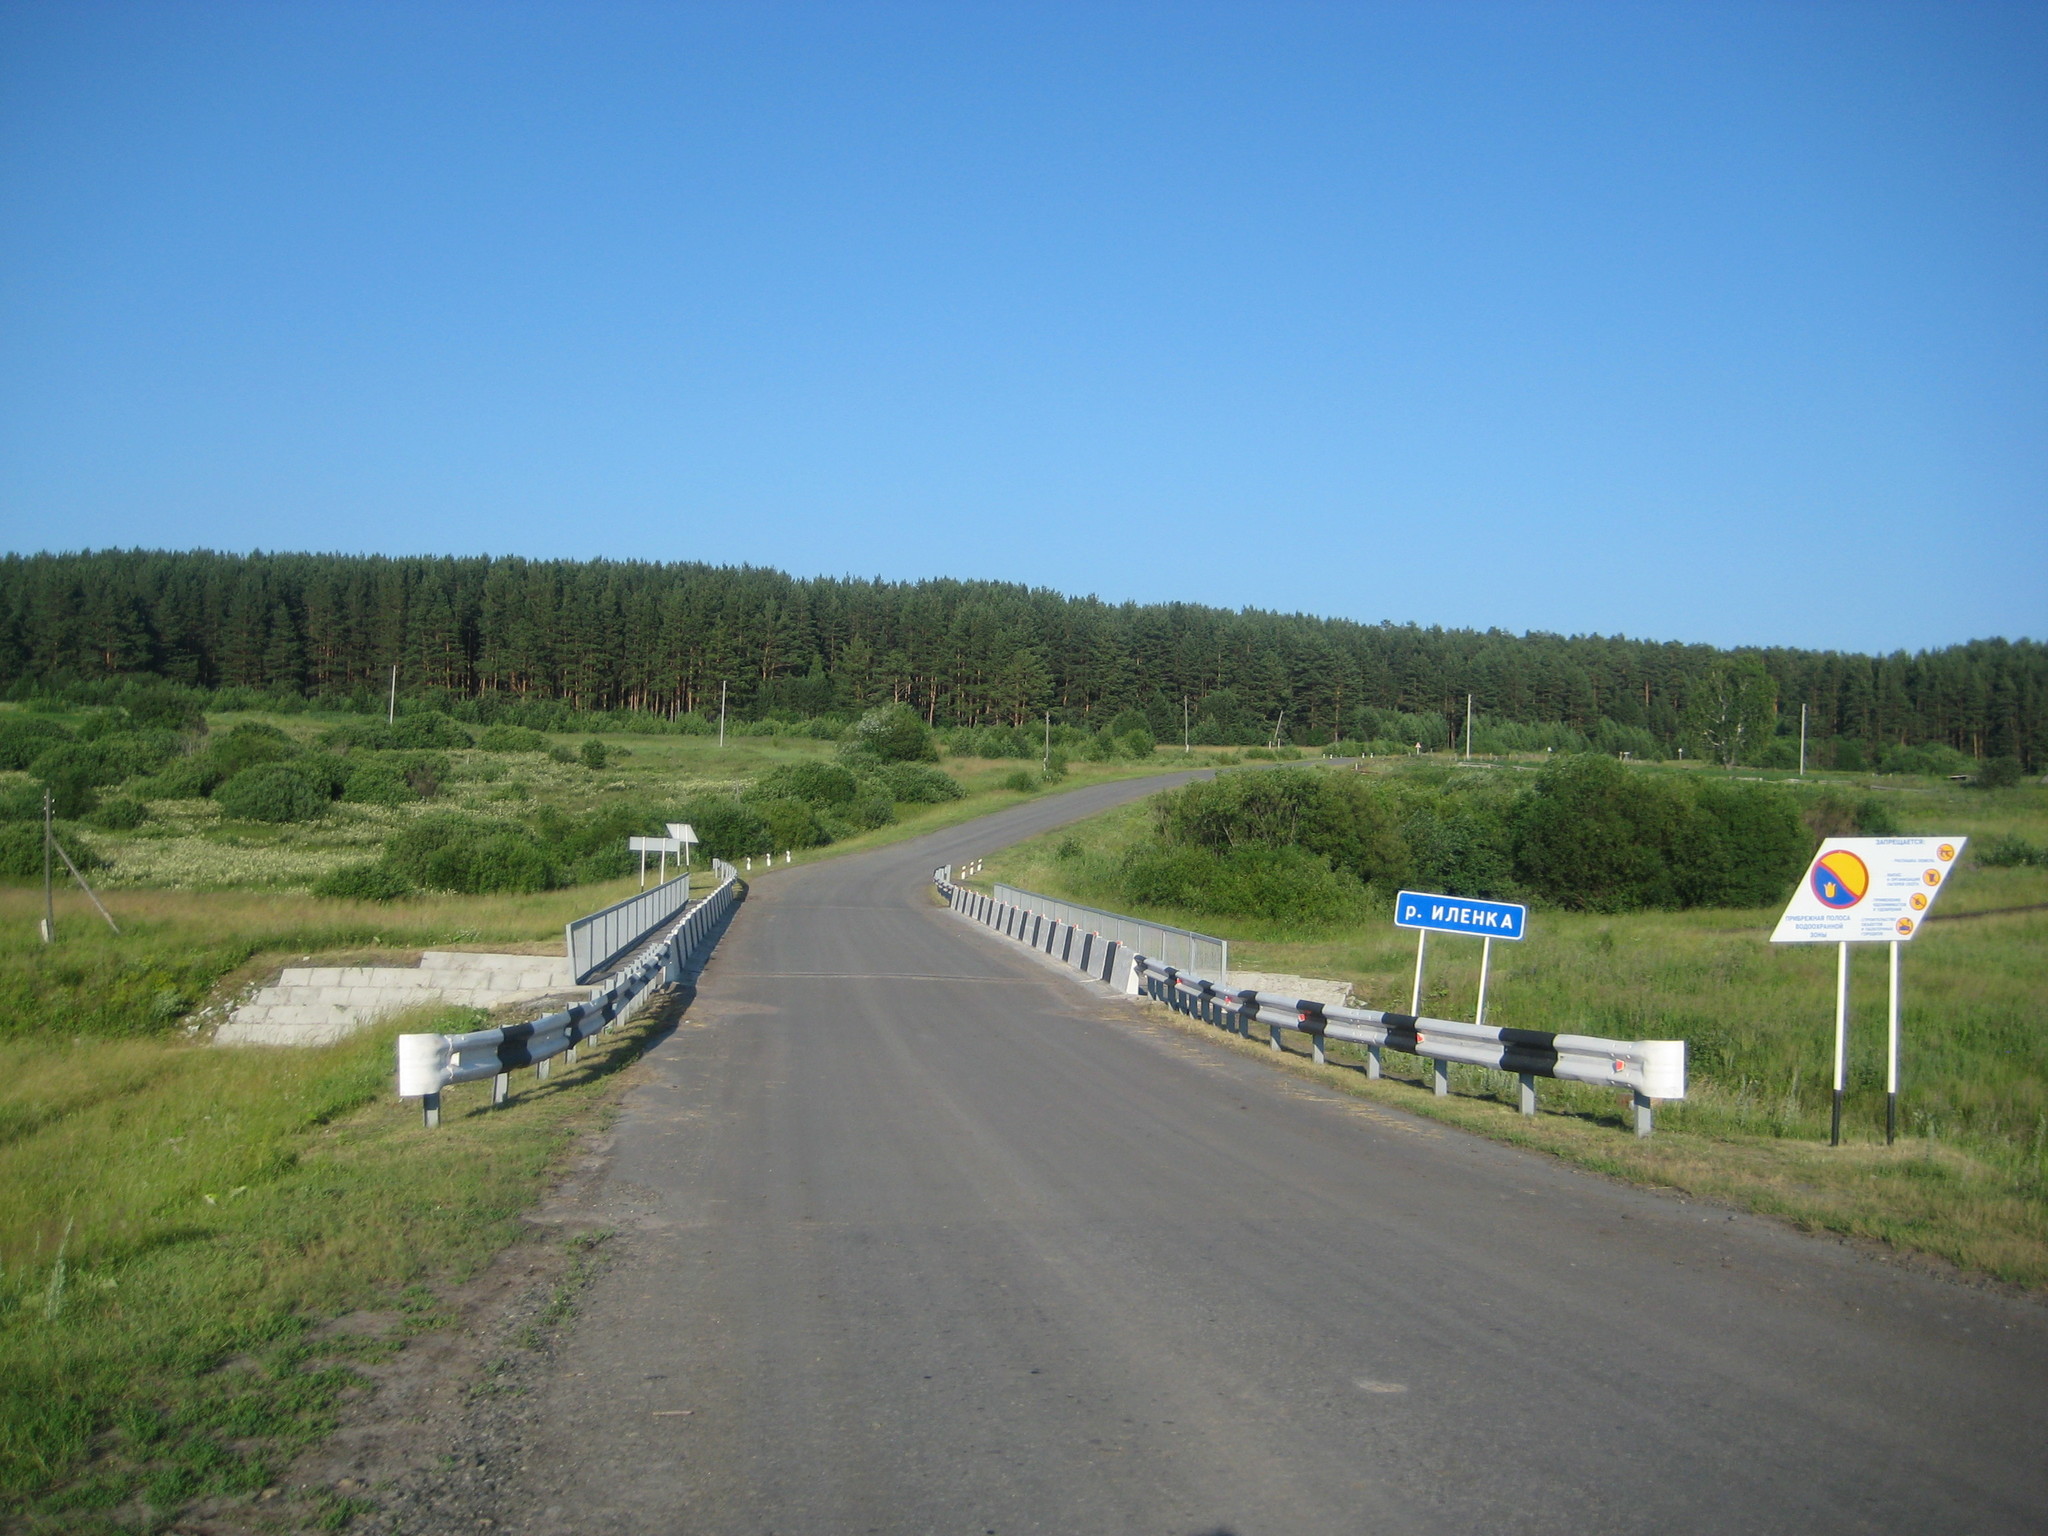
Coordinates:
<point>916,1234</point>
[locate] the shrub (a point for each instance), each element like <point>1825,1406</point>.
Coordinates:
<point>895,734</point>
<point>24,738</point>
<point>921,784</point>
<point>275,792</point>
<point>726,829</point>
<point>363,882</point>
<point>2009,850</point>
<point>429,730</point>
<point>562,754</point>
<point>80,762</point>
<point>592,754</point>
<point>872,808</point>
<point>164,707</point>
<point>1021,782</point>
<point>447,851</point>
<point>21,802</point>
<point>377,781</point>
<point>791,824</point>
<point>1998,773</point>
<point>1743,846</point>
<point>512,738</point>
<point>119,815</point>
<point>816,784</point>
<point>21,852</point>
<point>1285,884</point>
<point>498,862</point>
<point>1934,758</point>
<point>1832,813</point>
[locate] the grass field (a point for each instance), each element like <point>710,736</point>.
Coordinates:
<point>184,1226</point>
<point>1967,1182</point>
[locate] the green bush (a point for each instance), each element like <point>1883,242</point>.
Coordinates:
<point>725,828</point>
<point>592,754</point>
<point>1998,773</point>
<point>21,852</point>
<point>562,754</point>
<point>896,734</point>
<point>24,738</point>
<point>21,802</point>
<point>78,762</point>
<point>165,707</point>
<point>921,784</point>
<point>512,738</point>
<point>2009,850</point>
<point>791,824</point>
<point>427,731</point>
<point>447,851</point>
<point>1832,813</point>
<point>815,784</point>
<point>119,815</point>
<point>363,882</point>
<point>275,792</point>
<point>1021,782</point>
<point>1934,759</point>
<point>377,781</point>
<point>1585,833</point>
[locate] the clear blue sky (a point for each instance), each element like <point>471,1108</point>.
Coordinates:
<point>1710,322</point>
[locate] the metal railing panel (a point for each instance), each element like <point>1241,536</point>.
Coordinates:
<point>1181,947</point>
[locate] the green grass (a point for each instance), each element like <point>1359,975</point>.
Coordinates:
<point>1967,1182</point>
<point>182,1223</point>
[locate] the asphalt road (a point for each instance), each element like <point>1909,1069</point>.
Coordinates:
<point>919,1235</point>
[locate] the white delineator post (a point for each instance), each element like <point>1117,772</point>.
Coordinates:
<point>1891,1063</point>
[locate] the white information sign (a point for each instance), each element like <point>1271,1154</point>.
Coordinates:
<point>1868,890</point>
<point>682,831</point>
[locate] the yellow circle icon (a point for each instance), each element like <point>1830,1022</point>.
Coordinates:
<point>1905,926</point>
<point>1919,901</point>
<point>1932,877</point>
<point>1945,852</point>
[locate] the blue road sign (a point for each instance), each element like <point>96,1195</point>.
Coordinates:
<point>1460,914</point>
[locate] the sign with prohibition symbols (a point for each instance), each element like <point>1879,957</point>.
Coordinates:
<point>1868,890</point>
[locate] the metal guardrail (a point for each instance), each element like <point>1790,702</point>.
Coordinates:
<point>1650,1069</point>
<point>600,938</point>
<point>1090,953</point>
<point>429,1063</point>
<point>1182,946</point>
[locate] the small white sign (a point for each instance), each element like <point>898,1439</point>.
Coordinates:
<point>1868,890</point>
<point>654,845</point>
<point>682,831</point>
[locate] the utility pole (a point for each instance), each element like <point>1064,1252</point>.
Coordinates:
<point>1802,741</point>
<point>1186,746</point>
<point>721,715</point>
<point>49,906</point>
<point>1048,741</point>
<point>1468,727</point>
<point>391,714</point>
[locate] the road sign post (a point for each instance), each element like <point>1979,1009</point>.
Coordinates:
<point>1867,890</point>
<point>1488,920</point>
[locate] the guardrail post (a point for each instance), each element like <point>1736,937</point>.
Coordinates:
<point>1528,1093</point>
<point>501,1087</point>
<point>1443,1075</point>
<point>431,1104</point>
<point>1645,1115</point>
<point>1372,1061</point>
<point>540,1069</point>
